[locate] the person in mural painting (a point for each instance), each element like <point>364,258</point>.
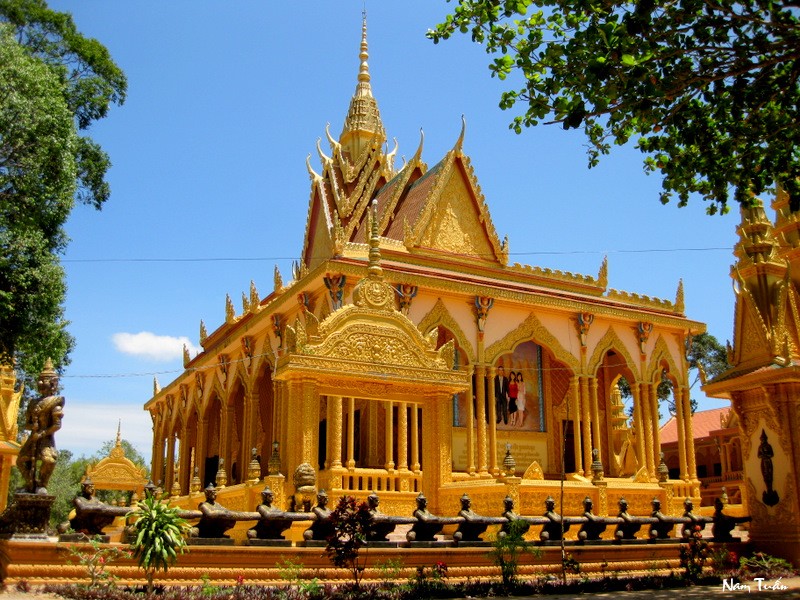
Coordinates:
<point>520,399</point>
<point>512,398</point>
<point>501,395</point>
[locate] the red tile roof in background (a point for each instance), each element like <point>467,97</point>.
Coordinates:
<point>703,423</point>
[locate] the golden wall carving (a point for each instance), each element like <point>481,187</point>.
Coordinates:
<point>611,341</point>
<point>531,329</point>
<point>439,315</point>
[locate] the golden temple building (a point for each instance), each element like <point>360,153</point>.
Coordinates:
<point>763,383</point>
<point>407,354</point>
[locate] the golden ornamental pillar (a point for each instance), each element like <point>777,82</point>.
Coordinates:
<point>402,436</point>
<point>310,429</point>
<point>597,442</point>
<point>372,410</point>
<point>158,445</point>
<point>585,425</point>
<point>415,438</point>
<point>389,465</point>
<point>638,423</point>
<point>656,429</point>
<point>169,476</point>
<point>334,432</point>
<point>492,447</point>
<point>248,427</point>
<point>574,416</point>
<point>471,424</point>
<point>184,457</point>
<point>201,453</point>
<point>225,450</point>
<point>480,402</point>
<point>689,436</point>
<point>645,393</point>
<point>351,433</point>
<point>437,448</point>
<point>679,418</point>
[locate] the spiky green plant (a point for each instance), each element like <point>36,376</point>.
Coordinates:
<point>159,537</point>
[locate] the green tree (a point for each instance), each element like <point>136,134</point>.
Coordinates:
<point>159,537</point>
<point>709,88</point>
<point>54,82</point>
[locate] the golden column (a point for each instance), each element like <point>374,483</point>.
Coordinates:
<point>334,432</point>
<point>595,419</point>
<point>437,447</point>
<point>574,388</point>
<point>689,435</point>
<point>402,436</point>
<point>585,425</point>
<point>480,401</point>
<point>202,448</point>
<point>678,395</point>
<point>656,429</point>
<point>351,433</point>
<point>470,425</point>
<point>638,422</point>
<point>158,444</point>
<point>493,469</point>
<point>169,476</point>
<point>185,456</point>
<point>310,420</point>
<point>389,429</point>
<point>415,438</point>
<point>225,449</point>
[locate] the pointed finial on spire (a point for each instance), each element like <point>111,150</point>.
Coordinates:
<point>680,305</point>
<point>119,433</point>
<point>363,72</point>
<point>156,386</point>
<point>203,332</point>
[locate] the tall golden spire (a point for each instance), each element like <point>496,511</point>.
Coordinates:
<point>363,122</point>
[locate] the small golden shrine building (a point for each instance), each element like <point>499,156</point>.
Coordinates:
<point>406,354</point>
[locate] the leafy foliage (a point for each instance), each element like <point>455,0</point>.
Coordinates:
<point>694,554</point>
<point>351,522</point>
<point>96,558</point>
<point>709,89</point>
<point>506,550</point>
<point>53,83</point>
<point>159,537</point>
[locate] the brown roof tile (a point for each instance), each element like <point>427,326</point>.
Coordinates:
<point>703,423</point>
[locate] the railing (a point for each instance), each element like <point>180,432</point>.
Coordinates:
<point>380,480</point>
<point>729,476</point>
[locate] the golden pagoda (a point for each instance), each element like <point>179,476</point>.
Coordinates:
<point>763,383</point>
<point>386,363</point>
<point>9,409</point>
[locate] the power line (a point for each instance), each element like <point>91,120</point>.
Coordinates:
<point>272,258</point>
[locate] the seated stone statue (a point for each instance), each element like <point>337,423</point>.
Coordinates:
<point>322,528</point>
<point>272,521</point>
<point>663,527</point>
<point>512,517</point>
<point>555,526</point>
<point>91,515</point>
<point>629,525</point>
<point>382,524</point>
<point>215,519</point>
<point>723,524</point>
<point>694,522</point>
<point>472,525</point>
<point>427,524</point>
<point>594,526</point>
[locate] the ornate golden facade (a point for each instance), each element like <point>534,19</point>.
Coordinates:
<point>764,381</point>
<point>9,447</point>
<point>376,363</point>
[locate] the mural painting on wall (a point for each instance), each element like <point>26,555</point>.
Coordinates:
<point>518,392</point>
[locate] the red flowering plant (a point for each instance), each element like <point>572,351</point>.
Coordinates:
<point>694,554</point>
<point>351,521</point>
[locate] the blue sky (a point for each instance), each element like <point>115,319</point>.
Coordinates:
<point>210,188</point>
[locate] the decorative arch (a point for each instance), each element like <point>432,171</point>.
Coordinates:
<point>611,341</point>
<point>662,354</point>
<point>439,315</point>
<point>532,329</point>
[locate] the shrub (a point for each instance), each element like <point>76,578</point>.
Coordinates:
<point>766,566</point>
<point>95,558</point>
<point>693,554</point>
<point>351,521</point>
<point>506,550</point>
<point>158,532</point>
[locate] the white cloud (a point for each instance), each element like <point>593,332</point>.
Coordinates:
<point>87,426</point>
<point>146,344</point>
